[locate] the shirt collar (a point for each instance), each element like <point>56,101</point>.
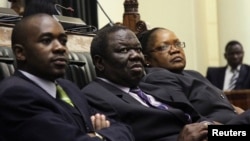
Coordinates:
<point>46,85</point>
<point>237,68</point>
<point>125,89</point>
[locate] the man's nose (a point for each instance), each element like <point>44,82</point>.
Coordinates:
<point>59,46</point>
<point>58,43</point>
<point>135,52</point>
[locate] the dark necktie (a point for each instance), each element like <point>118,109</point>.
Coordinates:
<point>233,79</point>
<point>146,99</point>
<point>63,95</point>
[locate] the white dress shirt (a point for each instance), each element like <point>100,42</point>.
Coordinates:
<point>46,85</point>
<point>153,101</point>
<point>228,75</point>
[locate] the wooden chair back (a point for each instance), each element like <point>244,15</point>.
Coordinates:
<point>240,98</point>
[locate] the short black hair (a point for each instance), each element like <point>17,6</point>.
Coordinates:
<point>99,43</point>
<point>231,43</point>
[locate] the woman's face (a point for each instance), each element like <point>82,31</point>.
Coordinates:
<point>165,50</point>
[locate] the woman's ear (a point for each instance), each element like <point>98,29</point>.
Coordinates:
<point>19,52</point>
<point>146,60</point>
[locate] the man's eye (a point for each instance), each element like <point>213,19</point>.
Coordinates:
<point>63,41</point>
<point>138,49</point>
<point>46,41</point>
<point>124,50</point>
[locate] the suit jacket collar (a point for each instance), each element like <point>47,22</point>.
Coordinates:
<point>117,91</point>
<point>125,96</point>
<point>21,75</point>
<point>221,76</point>
<point>244,70</point>
<point>123,88</point>
<point>47,85</point>
<point>237,68</point>
<point>80,110</point>
<point>129,99</point>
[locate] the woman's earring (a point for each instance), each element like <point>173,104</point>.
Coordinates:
<point>147,65</point>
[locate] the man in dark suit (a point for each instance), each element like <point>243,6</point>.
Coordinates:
<point>221,77</point>
<point>117,56</point>
<point>29,105</point>
<point>165,60</point>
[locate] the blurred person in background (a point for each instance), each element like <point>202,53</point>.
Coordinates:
<point>235,75</point>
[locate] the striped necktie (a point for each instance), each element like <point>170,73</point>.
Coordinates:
<point>61,94</point>
<point>233,79</point>
<point>146,99</point>
<point>161,106</point>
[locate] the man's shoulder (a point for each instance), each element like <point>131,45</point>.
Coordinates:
<point>15,80</point>
<point>97,86</point>
<point>246,66</point>
<point>65,81</point>
<point>92,86</point>
<point>11,81</point>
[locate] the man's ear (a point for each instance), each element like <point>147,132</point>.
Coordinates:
<point>98,61</point>
<point>19,52</point>
<point>225,56</point>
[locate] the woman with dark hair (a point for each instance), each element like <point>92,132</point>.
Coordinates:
<point>165,60</point>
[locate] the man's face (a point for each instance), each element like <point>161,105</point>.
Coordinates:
<point>234,55</point>
<point>124,60</point>
<point>45,52</point>
<point>171,57</point>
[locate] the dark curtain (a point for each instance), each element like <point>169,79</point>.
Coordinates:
<point>39,6</point>
<point>84,9</point>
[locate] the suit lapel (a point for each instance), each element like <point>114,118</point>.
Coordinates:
<point>119,93</point>
<point>19,74</point>
<point>221,77</point>
<point>68,111</point>
<point>176,102</point>
<point>80,110</point>
<point>242,75</point>
<point>174,111</point>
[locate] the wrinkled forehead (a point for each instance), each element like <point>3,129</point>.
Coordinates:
<point>122,36</point>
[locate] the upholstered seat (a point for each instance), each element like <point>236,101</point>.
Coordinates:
<point>90,69</point>
<point>80,69</point>
<point>4,71</point>
<point>7,67</point>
